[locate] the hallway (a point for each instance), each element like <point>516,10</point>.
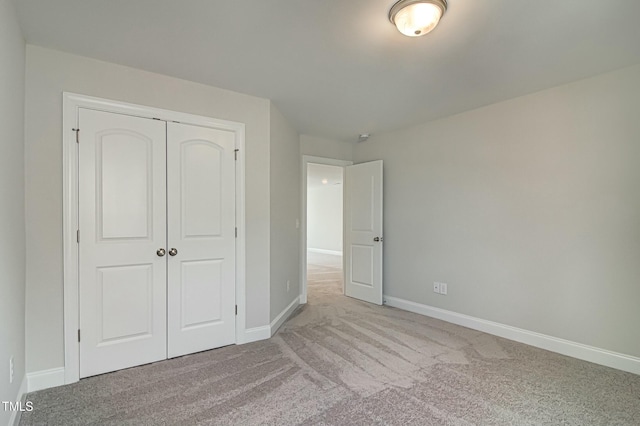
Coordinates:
<point>324,277</point>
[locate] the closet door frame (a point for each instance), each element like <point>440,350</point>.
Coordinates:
<point>71,104</point>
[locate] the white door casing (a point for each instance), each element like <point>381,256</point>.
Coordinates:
<point>363,231</point>
<point>122,215</point>
<point>201,238</point>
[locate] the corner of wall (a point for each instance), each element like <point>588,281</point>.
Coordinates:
<point>284,195</point>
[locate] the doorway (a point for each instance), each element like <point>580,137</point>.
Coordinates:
<point>322,225</point>
<point>324,228</point>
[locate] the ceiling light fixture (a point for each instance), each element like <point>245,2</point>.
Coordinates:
<point>416,18</point>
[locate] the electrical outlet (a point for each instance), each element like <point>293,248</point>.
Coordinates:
<point>436,287</point>
<point>443,288</point>
<point>288,285</point>
<point>11,370</point>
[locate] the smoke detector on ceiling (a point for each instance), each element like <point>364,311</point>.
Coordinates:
<point>363,137</point>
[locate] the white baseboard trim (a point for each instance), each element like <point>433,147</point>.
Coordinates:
<point>45,379</point>
<point>323,251</point>
<point>256,333</point>
<point>14,420</point>
<point>266,331</point>
<point>565,347</point>
<point>284,315</point>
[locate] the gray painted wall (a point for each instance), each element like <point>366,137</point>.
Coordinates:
<point>12,227</point>
<point>49,73</point>
<point>328,148</point>
<point>529,209</point>
<point>324,217</point>
<point>285,211</point>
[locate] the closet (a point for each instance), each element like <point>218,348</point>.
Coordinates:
<point>156,254</point>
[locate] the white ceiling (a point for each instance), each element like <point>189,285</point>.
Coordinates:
<point>337,68</point>
<point>317,173</point>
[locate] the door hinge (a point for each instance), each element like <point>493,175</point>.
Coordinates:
<point>236,309</point>
<point>78,335</point>
<point>78,236</point>
<point>77,135</point>
<point>236,232</point>
<point>235,154</point>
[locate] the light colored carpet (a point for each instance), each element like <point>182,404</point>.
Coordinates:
<point>339,361</point>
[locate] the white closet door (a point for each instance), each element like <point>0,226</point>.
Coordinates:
<point>201,240</point>
<point>122,222</point>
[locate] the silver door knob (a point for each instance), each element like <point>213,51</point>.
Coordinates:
<point>161,252</point>
<point>173,252</point>
<point>377,239</point>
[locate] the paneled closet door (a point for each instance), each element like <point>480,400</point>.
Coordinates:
<point>122,222</point>
<point>201,238</point>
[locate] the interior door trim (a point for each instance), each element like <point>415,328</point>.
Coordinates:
<point>71,104</point>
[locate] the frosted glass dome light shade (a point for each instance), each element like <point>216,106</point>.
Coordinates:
<point>416,18</point>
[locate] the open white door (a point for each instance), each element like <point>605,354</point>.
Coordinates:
<point>363,232</point>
